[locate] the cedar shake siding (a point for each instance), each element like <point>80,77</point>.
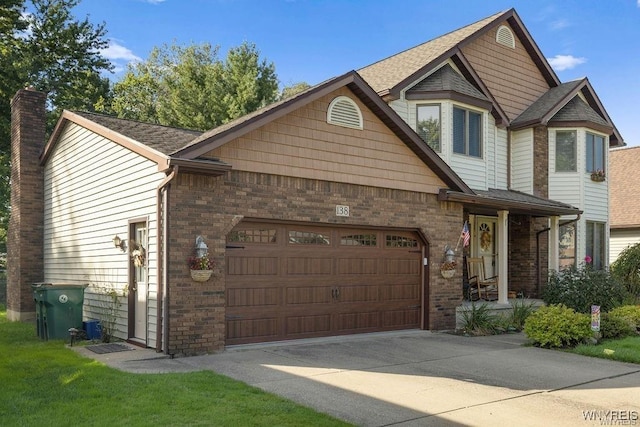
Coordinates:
<point>511,76</point>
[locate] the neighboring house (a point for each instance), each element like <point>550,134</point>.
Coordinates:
<point>326,213</point>
<point>624,174</point>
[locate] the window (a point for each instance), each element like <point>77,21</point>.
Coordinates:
<point>467,132</point>
<point>428,125</point>
<point>308,238</point>
<point>400,242</point>
<point>369,240</point>
<point>253,235</point>
<point>567,242</point>
<point>596,244</point>
<point>566,151</point>
<point>595,153</point>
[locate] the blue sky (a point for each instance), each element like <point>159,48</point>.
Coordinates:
<point>313,40</point>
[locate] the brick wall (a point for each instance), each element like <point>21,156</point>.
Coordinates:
<point>26,223</point>
<point>528,254</point>
<point>212,206</point>
<point>541,162</point>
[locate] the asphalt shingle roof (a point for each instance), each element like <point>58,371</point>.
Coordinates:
<point>520,197</point>
<point>446,79</point>
<point>164,139</point>
<point>387,73</point>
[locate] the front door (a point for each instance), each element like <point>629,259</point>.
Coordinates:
<point>485,243</point>
<point>138,282</point>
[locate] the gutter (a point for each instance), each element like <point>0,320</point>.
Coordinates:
<point>163,290</point>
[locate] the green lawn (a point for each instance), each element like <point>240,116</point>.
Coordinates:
<point>45,383</point>
<point>623,350</point>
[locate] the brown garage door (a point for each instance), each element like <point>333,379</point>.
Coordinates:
<point>293,281</point>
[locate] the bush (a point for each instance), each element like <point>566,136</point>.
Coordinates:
<point>580,288</point>
<point>479,320</point>
<point>629,312</point>
<point>626,269</point>
<point>614,326</point>
<point>557,326</point>
<point>520,313</point>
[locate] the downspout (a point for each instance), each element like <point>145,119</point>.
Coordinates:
<point>161,241</point>
<point>538,268</point>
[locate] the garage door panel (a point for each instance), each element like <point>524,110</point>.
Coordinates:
<point>253,297</point>
<point>253,330</point>
<point>358,321</point>
<point>358,293</point>
<point>252,266</point>
<point>402,266</point>
<point>308,325</point>
<point>309,266</point>
<point>365,266</point>
<point>308,295</point>
<point>397,292</point>
<point>396,319</point>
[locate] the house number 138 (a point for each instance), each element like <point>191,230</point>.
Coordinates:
<point>342,210</point>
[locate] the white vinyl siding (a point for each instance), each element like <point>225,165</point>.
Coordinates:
<point>577,189</point>
<point>620,239</point>
<point>522,161</point>
<point>501,157</point>
<point>401,107</point>
<point>93,187</point>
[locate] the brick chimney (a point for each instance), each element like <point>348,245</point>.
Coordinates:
<point>25,235</point>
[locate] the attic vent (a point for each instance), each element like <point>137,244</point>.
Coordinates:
<point>343,111</point>
<point>505,37</point>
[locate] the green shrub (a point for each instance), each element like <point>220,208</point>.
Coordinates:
<point>557,326</point>
<point>580,288</point>
<point>520,312</point>
<point>479,320</point>
<point>626,268</point>
<point>629,312</point>
<point>613,326</point>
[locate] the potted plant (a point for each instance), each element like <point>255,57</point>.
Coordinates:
<point>597,175</point>
<point>201,268</point>
<point>448,269</point>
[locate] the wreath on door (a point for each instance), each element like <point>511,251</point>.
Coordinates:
<point>485,237</point>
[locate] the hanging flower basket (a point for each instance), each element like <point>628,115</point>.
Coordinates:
<point>447,274</point>
<point>201,275</point>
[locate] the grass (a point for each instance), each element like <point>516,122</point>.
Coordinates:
<point>45,383</point>
<point>623,349</point>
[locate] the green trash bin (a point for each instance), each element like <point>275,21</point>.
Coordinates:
<point>58,308</point>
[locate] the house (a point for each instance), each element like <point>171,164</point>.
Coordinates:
<point>328,213</point>
<point>625,206</point>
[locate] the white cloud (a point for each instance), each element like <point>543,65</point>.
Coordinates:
<point>117,51</point>
<point>565,62</point>
<point>560,24</point>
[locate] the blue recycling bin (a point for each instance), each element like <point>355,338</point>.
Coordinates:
<point>92,328</point>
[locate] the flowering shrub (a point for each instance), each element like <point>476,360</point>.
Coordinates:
<point>448,266</point>
<point>580,288</point>
<point>200,263</point>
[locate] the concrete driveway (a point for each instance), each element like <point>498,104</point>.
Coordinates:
<point>418,378</point>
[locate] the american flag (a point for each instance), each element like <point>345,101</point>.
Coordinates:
<point>466,236</point>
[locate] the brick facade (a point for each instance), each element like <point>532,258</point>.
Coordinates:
<point>26,224</point>
<point>212,206</point>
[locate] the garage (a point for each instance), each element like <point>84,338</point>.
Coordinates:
<point>292,281</point>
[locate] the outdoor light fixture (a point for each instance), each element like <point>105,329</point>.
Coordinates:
<point>449,254</point>
<point>119,243</point>
<point>201,247</point>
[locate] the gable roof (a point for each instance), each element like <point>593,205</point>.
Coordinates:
<point>562,105</point>
<point>446,82</point>
<point>219,136</point>
<point>623,177</point>
<point>389,76</point>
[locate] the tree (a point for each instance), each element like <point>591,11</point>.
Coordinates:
<point>53,52</point>
<point>293,89</point>
<point>190,87</point>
